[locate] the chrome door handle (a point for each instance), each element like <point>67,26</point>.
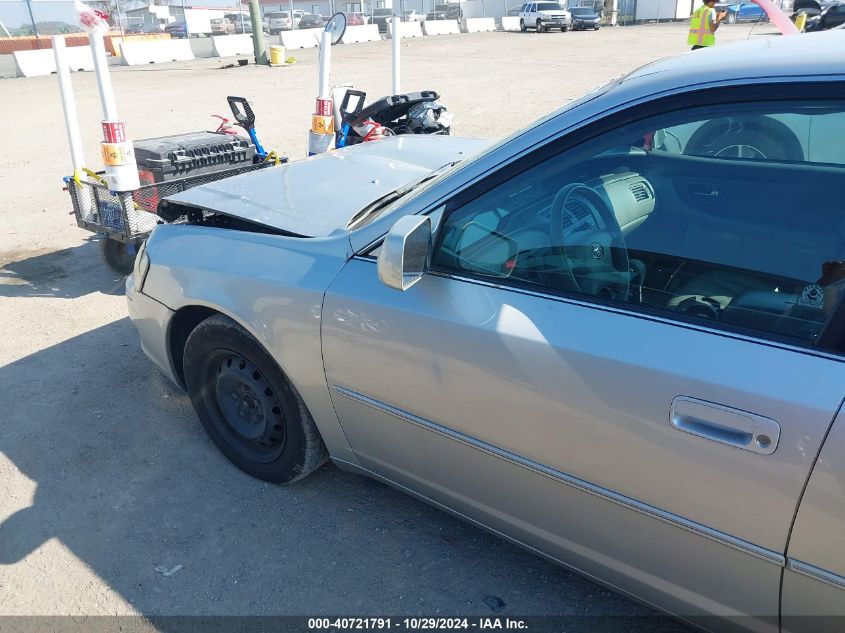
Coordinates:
<point>726,425</point>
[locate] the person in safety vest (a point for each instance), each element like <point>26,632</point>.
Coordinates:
<point>703,25</point>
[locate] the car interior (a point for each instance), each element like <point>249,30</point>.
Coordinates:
<point>724,219</point>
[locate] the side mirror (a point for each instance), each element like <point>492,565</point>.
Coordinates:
<point>403,257</point>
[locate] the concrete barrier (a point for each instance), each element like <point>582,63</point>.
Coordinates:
<point>300,39</point>
<point>231,45</point>
<point>43,62</point>
<point>406,29</point>
<point>113,41</point>
<point>361,33</point>
<point>155,52</point>
<point>510,23</point>
<point>479,25</point>
<point>441,27</point>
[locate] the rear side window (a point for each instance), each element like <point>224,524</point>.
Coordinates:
<point>727,216</point>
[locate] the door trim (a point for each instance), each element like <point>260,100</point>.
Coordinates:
<point>816,573</point>
<point>728,540</point>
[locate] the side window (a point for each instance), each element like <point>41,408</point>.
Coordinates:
<point>730,216</point>
<point>836,17</point>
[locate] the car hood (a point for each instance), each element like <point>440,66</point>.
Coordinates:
<point>318,195</point>
<point>554,12</point>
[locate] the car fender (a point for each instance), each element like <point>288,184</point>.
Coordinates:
<point>272,285</point>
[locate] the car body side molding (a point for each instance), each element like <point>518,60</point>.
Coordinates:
<point>816,573</point>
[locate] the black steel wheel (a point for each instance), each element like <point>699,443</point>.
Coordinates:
<point>247,405</point>
<point>117,255</point>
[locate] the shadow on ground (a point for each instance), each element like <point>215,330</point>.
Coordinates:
<point>128,481</point>
<point>68,273</point>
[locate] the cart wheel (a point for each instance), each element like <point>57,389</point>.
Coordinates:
<point>119,256</point>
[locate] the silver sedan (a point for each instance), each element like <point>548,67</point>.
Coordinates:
<point>615,338</point>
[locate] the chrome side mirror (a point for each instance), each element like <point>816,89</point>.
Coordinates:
<point>403,256</point>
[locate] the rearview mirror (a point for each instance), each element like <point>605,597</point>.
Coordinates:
<point>403,256</point>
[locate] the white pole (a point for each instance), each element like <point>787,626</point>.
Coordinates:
<point>397,42</point>
<point>118,153</point>
<point>324,90</point>
<point>68,103</point>
<point>101,67</point>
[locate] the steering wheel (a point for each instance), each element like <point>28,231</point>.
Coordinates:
<point>597,257</point>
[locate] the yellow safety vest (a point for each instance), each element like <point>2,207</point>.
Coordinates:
<point>701,28</point>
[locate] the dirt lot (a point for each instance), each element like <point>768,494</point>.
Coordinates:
<point>105,472</point>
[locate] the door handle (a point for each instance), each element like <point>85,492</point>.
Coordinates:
<point>704,190</point>
<point>726,425</point>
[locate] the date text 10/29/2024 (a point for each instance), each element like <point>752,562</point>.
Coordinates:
<point>416,624</point>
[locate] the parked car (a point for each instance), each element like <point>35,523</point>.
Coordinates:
<point>745,12</point>
<point>177,29</point>
<point>515,10</point>
<point>830,18</point>
<point>143,29</point>
<point>544,16</point>
<point>278,21</point>
<point>381,17</point>
<point>630,314</point>
<point>413,16</point>
<point>449,11</point>
<point>311,21</point>
<point>584,18</point>
<point>355,19</point>
<point>219,26</point>
<point>236,19</point>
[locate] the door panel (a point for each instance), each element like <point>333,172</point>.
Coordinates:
<point>582,392</point>
<point>814,584</point>
<point>579,529</point>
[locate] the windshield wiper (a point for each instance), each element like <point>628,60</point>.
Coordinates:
<point>376,206</point>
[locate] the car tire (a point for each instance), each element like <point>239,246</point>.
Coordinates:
<point>539,27</point>
<point>118,256</point>
<point>564,29</point>
<point>248,407</point>
<point>731,18</point>
<point>522,26</point>
<point>756,135</point>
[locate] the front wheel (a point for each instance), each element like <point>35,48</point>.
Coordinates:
<point>539,26</point>
<point>732,18</point>
<point>247,405</point>
<point>564,29</point>
<point>118,256</point>
<point>522,26</point>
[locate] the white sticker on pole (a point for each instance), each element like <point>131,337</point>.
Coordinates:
<point>115,154</point>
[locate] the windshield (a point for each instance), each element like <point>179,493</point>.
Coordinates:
<point>548,6</point>
<point>441,7</point>
<point>382,12</point>
<point>581,11</point>
<point>276,16</point>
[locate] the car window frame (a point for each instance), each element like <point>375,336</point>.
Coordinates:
<point>832,338</point>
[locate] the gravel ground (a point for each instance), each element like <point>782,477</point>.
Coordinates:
<point>105,472</point>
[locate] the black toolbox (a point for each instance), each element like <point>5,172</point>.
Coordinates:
<point>171,157</point>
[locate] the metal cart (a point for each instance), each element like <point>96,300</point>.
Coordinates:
<point>126,219</point>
